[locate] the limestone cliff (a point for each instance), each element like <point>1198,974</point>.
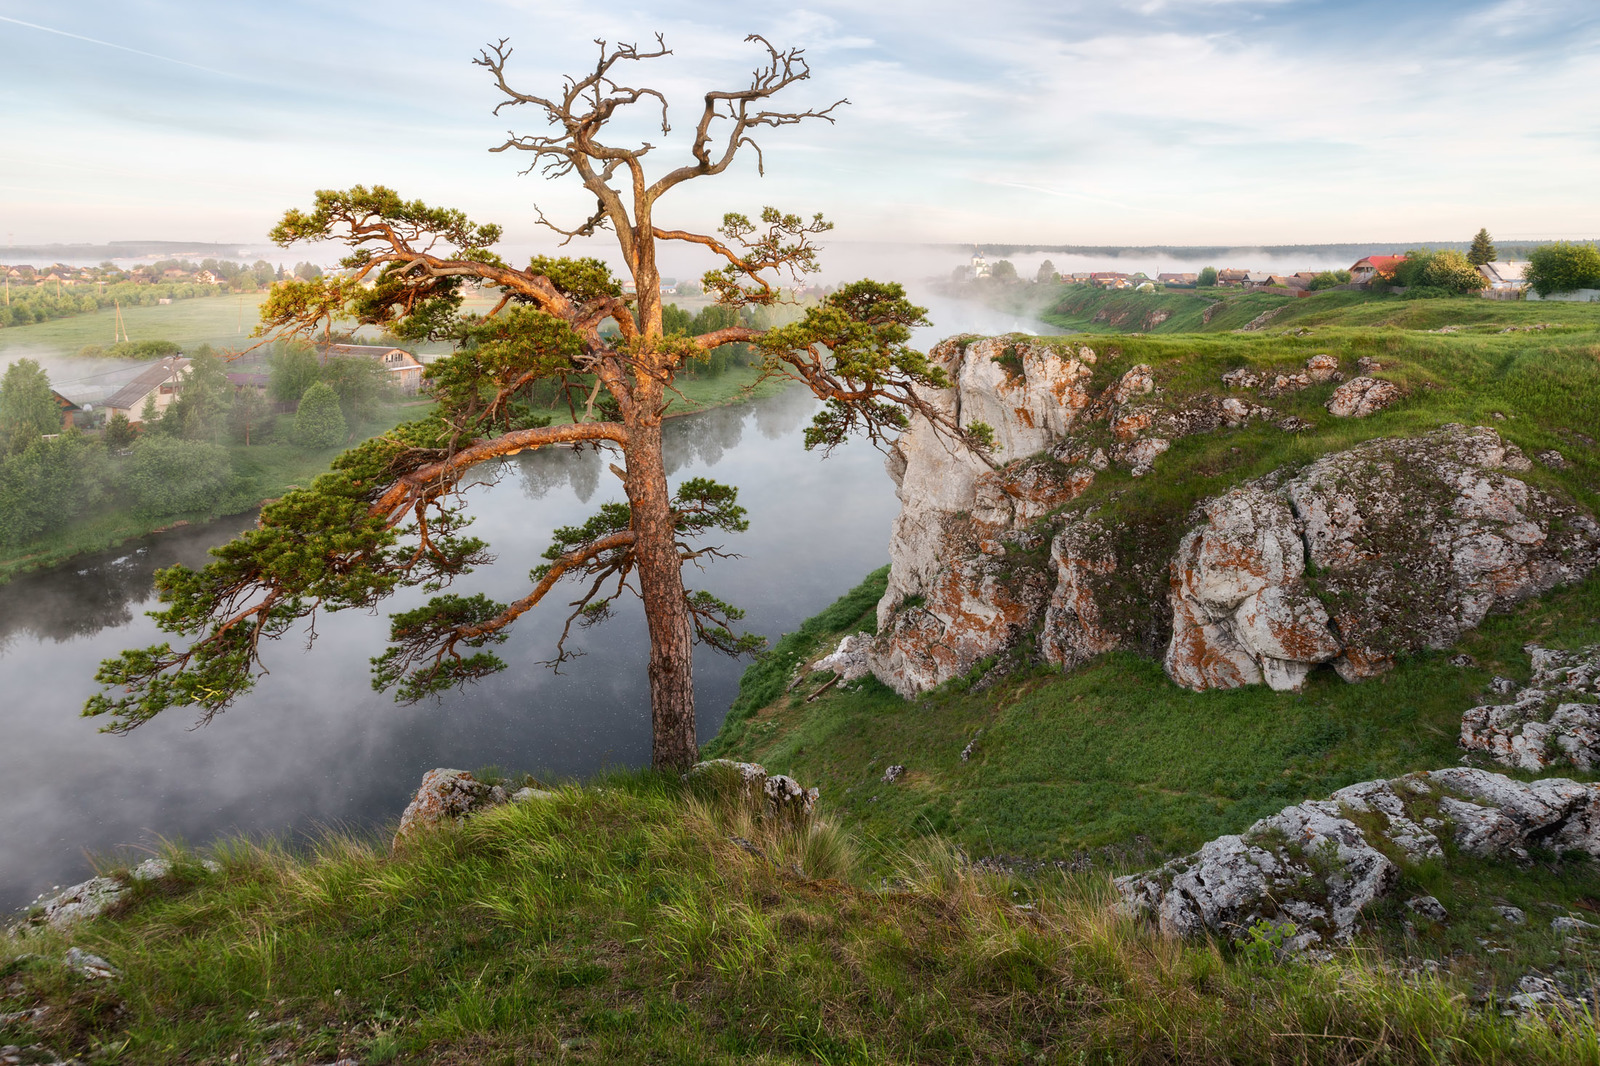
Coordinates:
<point>1391,546</point>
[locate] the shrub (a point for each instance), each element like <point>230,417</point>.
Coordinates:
<point>48,485</point>
<point>170,475</point>
<point>319,423</point>
<point>1563,267</point>
<point>1207,278</point>
<point>1447,271</point>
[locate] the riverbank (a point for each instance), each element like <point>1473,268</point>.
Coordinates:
<point>272,469</point>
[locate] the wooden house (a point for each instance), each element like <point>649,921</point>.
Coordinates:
<point>158,383</point>
<point>405,369</point>
<point>71,413</point>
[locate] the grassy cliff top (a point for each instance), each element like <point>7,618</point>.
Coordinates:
<point>633,921</point>
<point>1114,754</point>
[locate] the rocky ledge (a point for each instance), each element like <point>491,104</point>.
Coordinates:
<point>1318,864</point>
<point>1389,547</point>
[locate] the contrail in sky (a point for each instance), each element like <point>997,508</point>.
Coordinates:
<point>110,44</point>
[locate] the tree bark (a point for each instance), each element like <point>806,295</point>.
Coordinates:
<point>674,743</point>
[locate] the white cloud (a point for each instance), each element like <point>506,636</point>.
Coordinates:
<point>1205,120</point>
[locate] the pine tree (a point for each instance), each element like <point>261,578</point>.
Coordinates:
<point>1482,250</point>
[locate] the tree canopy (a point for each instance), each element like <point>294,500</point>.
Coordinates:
<point>1562,267</point>
<point>387,516</point>
<point>28,410</point>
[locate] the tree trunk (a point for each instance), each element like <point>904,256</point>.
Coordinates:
<point>674,745</point>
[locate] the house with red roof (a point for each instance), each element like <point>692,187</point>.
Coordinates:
<point>1375,266</point>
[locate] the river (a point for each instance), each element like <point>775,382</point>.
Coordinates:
<point>313,746</point>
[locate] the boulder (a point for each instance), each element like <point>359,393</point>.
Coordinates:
<point>1323,368</point>
<point>771,795</point>
<point>446,798</point>
<point>1361,396</point>
<point>92,898</point>
<point>849,659</point>
<point>1315,865</point>
<point>1242,613</point>
<point>80,902</point>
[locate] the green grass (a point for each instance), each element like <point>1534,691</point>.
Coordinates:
<point>1113,756</point>
<point>224,322</point>
<point>1099,311</point>
<point>634,921</point>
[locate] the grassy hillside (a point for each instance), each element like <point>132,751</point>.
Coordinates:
<point>1111,753</point>
<point>1097,311</point>
<point>1112,766</point>
<point>1112,762</point>
<point>633,921</point>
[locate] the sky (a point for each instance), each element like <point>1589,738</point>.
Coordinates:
<point>1117,122</point>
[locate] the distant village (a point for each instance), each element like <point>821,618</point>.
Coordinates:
<point>151,389</point>
<point>236,276</point>
<point>1502,280</point>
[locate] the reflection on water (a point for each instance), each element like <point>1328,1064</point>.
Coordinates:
<point>313,745</point>
<point>103,588</point>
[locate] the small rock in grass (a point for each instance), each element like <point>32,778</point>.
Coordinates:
<point>1428,907</point>
<point>1565,924</point>
<point>1322,367</point>
<point>1502,686</point>
<point>1463,660</point>
<point>1533,991</point>
<point>1362,396</point>
<point>893,773</point>
<point>446,797</point>
<point>526,795</point>
<point>1553,459</point>
<point>1512,915</point>
<point>90,966</point>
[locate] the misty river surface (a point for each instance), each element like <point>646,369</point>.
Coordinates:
<point>313,745</point>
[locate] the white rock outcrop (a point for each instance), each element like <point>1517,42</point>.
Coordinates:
<point>1390,547</point>
<point>1412,542</point>
<point>1314,865</point>
<point>961,588</point>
